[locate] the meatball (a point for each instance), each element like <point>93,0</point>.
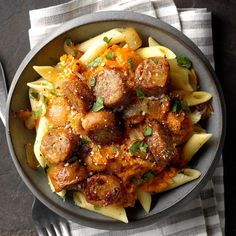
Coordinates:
<point>161,145</point>
<point>103,190</point>
<point>78,94</point>
<point>102,127</point>
<point>64,176</point>
<point>57,145</point>
<point>111,86</point>
<point>152,76</point>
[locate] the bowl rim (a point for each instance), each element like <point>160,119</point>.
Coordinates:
<point>135,18</point>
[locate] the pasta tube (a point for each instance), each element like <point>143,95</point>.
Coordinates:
<point>194,143</point>
<point>156,51</point>
<point>114,212</point>
<point>47,72</point>
<point>145,198</point>
<point>152,42</point>
<point>197,97</point>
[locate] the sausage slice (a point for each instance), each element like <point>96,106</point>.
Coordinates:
<point>152,76</point>
<point>57,145</point>
<point>78,94</point>
<point>111,86</point>
<point>63,176</point>
<point>102,127</point>
<point>161,145</point>
<point>103,190</point>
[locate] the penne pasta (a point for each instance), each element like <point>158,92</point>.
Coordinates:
<point>145,199</point>
<point>114,212</point>
<point>49,73</point>
<point>132,39</point>
<point>184,176</point>
<point>93,52</point>
<point>115,36</point>
<point>195,116</point>
<point>156,51</point>
<point>196,98</point>
<point>152,42</point>
<point>42,129</point>
<point>194,143</point>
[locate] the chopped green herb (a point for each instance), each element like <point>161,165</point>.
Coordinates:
<point>139,93</point>
<point>38,113</point>
<point>34,95</point>
<point>97,207</point>
<point>85,140</point>
<point>131,65</point>
<point>185,106</point>
<point>98,105</point>
<point>110,55</point>
<point>139,145</point>
<point>115,148</point>
<point>148,176</point>
<point>72,159</point>
<point>46,99</point>
<point>154,60</point>
<point>68,42</point>
<point>95,62</point>
<point>106,39</point>
<point>136,181</point>
<point>92,82</point>
<point>184,61</point>
<point>176,106</point>
<point>147,131</point>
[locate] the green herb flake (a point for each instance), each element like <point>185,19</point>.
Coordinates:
<point>176,106</point>
<point>98,105</point>
<point>34,95</point>
<point>38,113</point>
<point>148,176</point>
<point>131,65</point>
<point>154,60</point>
<point>184,61</point>
<point>110,55</point>
<point>96,208</point>
<point>185,106</point>
<point>72,159</point>
<point>84,140</point>
<point>92,82</point>
<point>147,131</point>
<point>96,62</point>
<point>139,145</point>
<point>115,148</point>
<point>68,42</point>
<point>136,181</point>
<point>106,39</point>
<point>139,93</point>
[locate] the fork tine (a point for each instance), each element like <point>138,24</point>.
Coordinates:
<point>57,229</point>
<point>41,231</point>
<point>50,230</point>
<point>65,228</point>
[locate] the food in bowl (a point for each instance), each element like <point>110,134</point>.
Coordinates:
<point>116,122</point>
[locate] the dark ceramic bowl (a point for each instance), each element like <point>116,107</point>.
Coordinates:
<point>48,53</point>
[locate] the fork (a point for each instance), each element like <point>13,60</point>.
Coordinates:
<point>47,223</point>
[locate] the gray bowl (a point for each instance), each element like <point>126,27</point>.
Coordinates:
<point>48,53</point>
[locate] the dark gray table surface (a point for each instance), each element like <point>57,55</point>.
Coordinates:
<point>16,199</point>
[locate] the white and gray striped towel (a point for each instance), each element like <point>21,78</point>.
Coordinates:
<point>205,214</point>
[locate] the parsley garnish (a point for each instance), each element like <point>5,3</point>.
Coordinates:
<point>98,105</point>
<point>154,60</point>
<point>34,95</point>
<point>139,93</point>
<point>68,42</point>
<point>95,62</point>
<point>85,140</point>
<point>106,39</point>
<point>146,177</point>
<point>38,113</point>
<point>131,65</point>
<point>136,181</point>
<point>110,55</point>
<point>92,82</point>
<point>176,106</point>
<point>147,131</point>
<point>184,61</point>
<point>115,148</point>
<point>139,145</point>
<point>72,159</point>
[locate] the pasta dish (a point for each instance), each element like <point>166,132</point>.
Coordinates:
<point>116,121</point>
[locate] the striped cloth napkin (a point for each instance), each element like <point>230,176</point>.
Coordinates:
<point>205,214</point>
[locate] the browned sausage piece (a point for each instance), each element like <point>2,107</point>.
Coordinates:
<point>152,76</point>
<point>102,127</point>
<point>111,86</point>
<point>78,94</point>
<point>103,190</point>
<point>57,145</point>
<point>63,176</point>
<point>161,145</point>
